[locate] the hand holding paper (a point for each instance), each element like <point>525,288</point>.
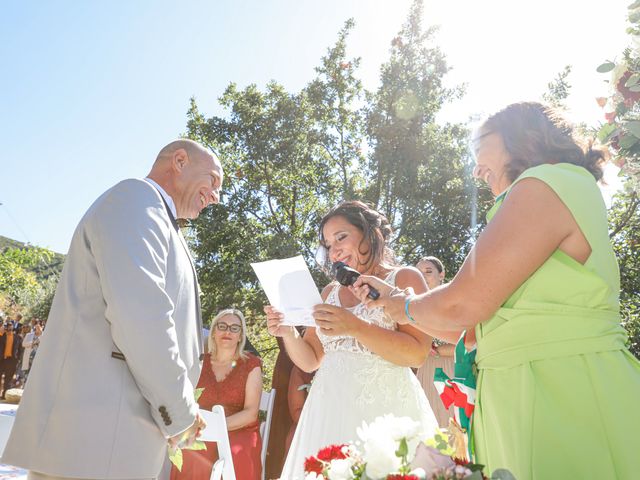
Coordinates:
<point>289,288</point>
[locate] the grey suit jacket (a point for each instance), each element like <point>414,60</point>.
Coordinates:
<point>114,375</point>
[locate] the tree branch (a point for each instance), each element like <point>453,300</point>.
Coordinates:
<point>635,202</point>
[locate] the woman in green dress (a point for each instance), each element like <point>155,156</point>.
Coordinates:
<point>558,391</point>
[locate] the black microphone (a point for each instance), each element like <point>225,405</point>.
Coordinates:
<point>347,276</point>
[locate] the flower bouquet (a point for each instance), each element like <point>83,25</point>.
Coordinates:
<point>390,449</point>
<point>622,107</point>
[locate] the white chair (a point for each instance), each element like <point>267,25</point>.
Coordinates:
<point>267,401</point>
<point>6,423</point>
<point>216,431</point>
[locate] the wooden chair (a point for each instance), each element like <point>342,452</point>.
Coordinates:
<point>216,431</point>
<point>267,401</point>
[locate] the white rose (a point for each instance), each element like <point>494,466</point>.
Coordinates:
<point>380,456</point>
<point>389,426</point>
<point>340,469</point>
<point>404,427</point>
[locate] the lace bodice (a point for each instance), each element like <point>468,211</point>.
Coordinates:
<point>375,316</point>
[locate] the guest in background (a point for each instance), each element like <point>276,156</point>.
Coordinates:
<point>11,348</point>
<point>27,345</point>
<point>230,377</point>
<point>37,334</point>
<point>441,354</point>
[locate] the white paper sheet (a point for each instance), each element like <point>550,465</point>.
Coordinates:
<point>289,288</point>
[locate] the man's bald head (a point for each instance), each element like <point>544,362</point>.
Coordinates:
<point>190,173</point>
<point>194,150</point>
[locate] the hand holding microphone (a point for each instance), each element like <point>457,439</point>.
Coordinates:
<point>347,276</point>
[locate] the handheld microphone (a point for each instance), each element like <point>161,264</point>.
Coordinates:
<point>347,276</point>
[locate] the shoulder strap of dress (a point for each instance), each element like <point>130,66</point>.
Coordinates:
<point>391,278</point>
<point>333,297</point>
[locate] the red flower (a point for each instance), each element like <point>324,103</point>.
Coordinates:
<point>312,464</point>
<point>624,91</point>
<point>401,476</point>
<point>332,452</point>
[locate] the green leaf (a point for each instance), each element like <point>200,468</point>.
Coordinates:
<point>634,5</point>
<point>634,17</point>
<point>175,457</point>
<point>197,445</point>
<point>635,88</point>
<point>633,127</point>
<point>197,393</point>
<point>475,467</point>
<point>606,132</point>
<point>632,80</point>
<point>502,474</point>
<point>403,448</point>
<point>606,67</point>
<point>627,141</point>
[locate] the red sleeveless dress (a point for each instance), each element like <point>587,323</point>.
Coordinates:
<point>246,443</point>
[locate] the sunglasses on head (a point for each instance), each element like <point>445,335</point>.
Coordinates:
<point>223,327</point>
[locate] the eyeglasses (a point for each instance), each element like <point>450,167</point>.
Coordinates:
<point>223,327</point>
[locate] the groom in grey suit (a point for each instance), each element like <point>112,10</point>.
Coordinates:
<point>113,379</point>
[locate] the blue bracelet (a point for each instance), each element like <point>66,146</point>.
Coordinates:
<point>406,309</point>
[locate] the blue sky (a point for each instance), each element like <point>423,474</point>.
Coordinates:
<point>91,90</point>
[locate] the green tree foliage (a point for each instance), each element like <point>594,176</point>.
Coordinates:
<point>16,279</point>
<point>420,171</point>
<point>624,218</point>
<point>558,89</point>
<point>28,277</point>
<point>336,97</point>
<point>290,156</point>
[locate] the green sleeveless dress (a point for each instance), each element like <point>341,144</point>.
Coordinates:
<point>558,392</point>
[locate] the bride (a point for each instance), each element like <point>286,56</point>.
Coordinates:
<point>362,357</point>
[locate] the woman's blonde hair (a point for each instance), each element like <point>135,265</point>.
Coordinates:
<point>240,353</point>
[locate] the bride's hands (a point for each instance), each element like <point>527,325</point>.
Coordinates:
<point>274,323</point>
<point>392,299</point>
<point>333,320</point>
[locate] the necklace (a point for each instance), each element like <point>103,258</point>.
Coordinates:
<point>215,362</point>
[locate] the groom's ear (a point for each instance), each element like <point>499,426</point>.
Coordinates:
<point>179,160</point>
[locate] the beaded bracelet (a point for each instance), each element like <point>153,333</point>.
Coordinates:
<point>406,309</point>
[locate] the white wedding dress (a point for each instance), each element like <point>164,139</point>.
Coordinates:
<point>354,385</point>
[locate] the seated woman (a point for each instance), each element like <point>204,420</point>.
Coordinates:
<point>231,377</point>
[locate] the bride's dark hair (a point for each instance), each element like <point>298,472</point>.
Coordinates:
<point>375,228</point>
